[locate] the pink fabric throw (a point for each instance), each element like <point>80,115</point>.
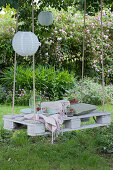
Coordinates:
<point>53,123</point>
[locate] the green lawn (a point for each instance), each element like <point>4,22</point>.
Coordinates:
<point>78,150</point>
<point>5,110</point>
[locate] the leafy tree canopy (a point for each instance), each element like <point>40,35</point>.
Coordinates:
<point>45,3</point>
<point>93,6</point>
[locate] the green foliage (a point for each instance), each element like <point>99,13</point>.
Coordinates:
<point>21,97</point>
<point>16,138</point>
<point>93,6</point>
<point>92,92</point>
<point>62,43</point>
<point>70,150</point>
<point>19,138</point>
<point>63,40</point>
<point>13,3</point>
<point>94,45</point>
<point>5,135</point>
<point>53,3</point>
<point>51,85</point>
<point>109,93</point>
<point>7,30</point>
<point>2,94</point>
<point>103,139</point>
<point>46,78</point>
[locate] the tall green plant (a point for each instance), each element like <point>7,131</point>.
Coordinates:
<point>47,80</point>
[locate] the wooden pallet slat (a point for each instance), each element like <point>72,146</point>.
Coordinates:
<point>36,128</point>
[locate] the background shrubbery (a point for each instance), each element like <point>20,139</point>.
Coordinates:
<point>54,85</point>
<point>61,48</point>
<point>92,92</point>
<point>61,43</point>
<point>50,82</point>
<point>7,31</point>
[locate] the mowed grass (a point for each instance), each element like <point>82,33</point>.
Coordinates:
<point>7,110</point>
<point>78,150</point>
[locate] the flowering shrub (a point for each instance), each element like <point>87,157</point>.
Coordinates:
<point>62,42</point>
<point>44,95</point>
<point>21,97</point>
<point>109,93</point>
<point>94,44</point>
<point>74,101</point>
<point>92,92</point>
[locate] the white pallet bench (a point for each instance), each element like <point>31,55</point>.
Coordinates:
<point>36,128</point>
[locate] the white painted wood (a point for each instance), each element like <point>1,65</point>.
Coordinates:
<point>9,125</point>
<point>73,123</point>
<point>104,119</point>
<point>13,116</point>
<point>84,127</point>
<point>36,128</point>
<point>91,114</point>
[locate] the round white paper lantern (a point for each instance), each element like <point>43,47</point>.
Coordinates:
<point>45,18</point>
<point>25,43</point>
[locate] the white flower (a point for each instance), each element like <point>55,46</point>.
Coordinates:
<point>59,38</point>
<point>101,57</point>
<point>95,61</point>
<point>96,69</point>
<point>87,31</point>
<point>46,53</point>
<point>110,70</point>
<point>97,46</point>
<point>106,37</point>
<point>103,13</point>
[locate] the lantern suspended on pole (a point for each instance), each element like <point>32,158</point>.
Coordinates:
<point>25,43</point>
<point>45,18</point>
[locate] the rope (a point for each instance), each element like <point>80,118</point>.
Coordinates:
<point>33,62</point>
<point>102,52</point>
<point>32,16</point>
<point>15,68</point>
<point>83,51</point>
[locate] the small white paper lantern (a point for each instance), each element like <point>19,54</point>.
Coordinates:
<point>25,43</point>
<point>45,18</point>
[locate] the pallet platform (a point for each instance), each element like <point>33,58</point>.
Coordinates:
<point>36,128</point>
